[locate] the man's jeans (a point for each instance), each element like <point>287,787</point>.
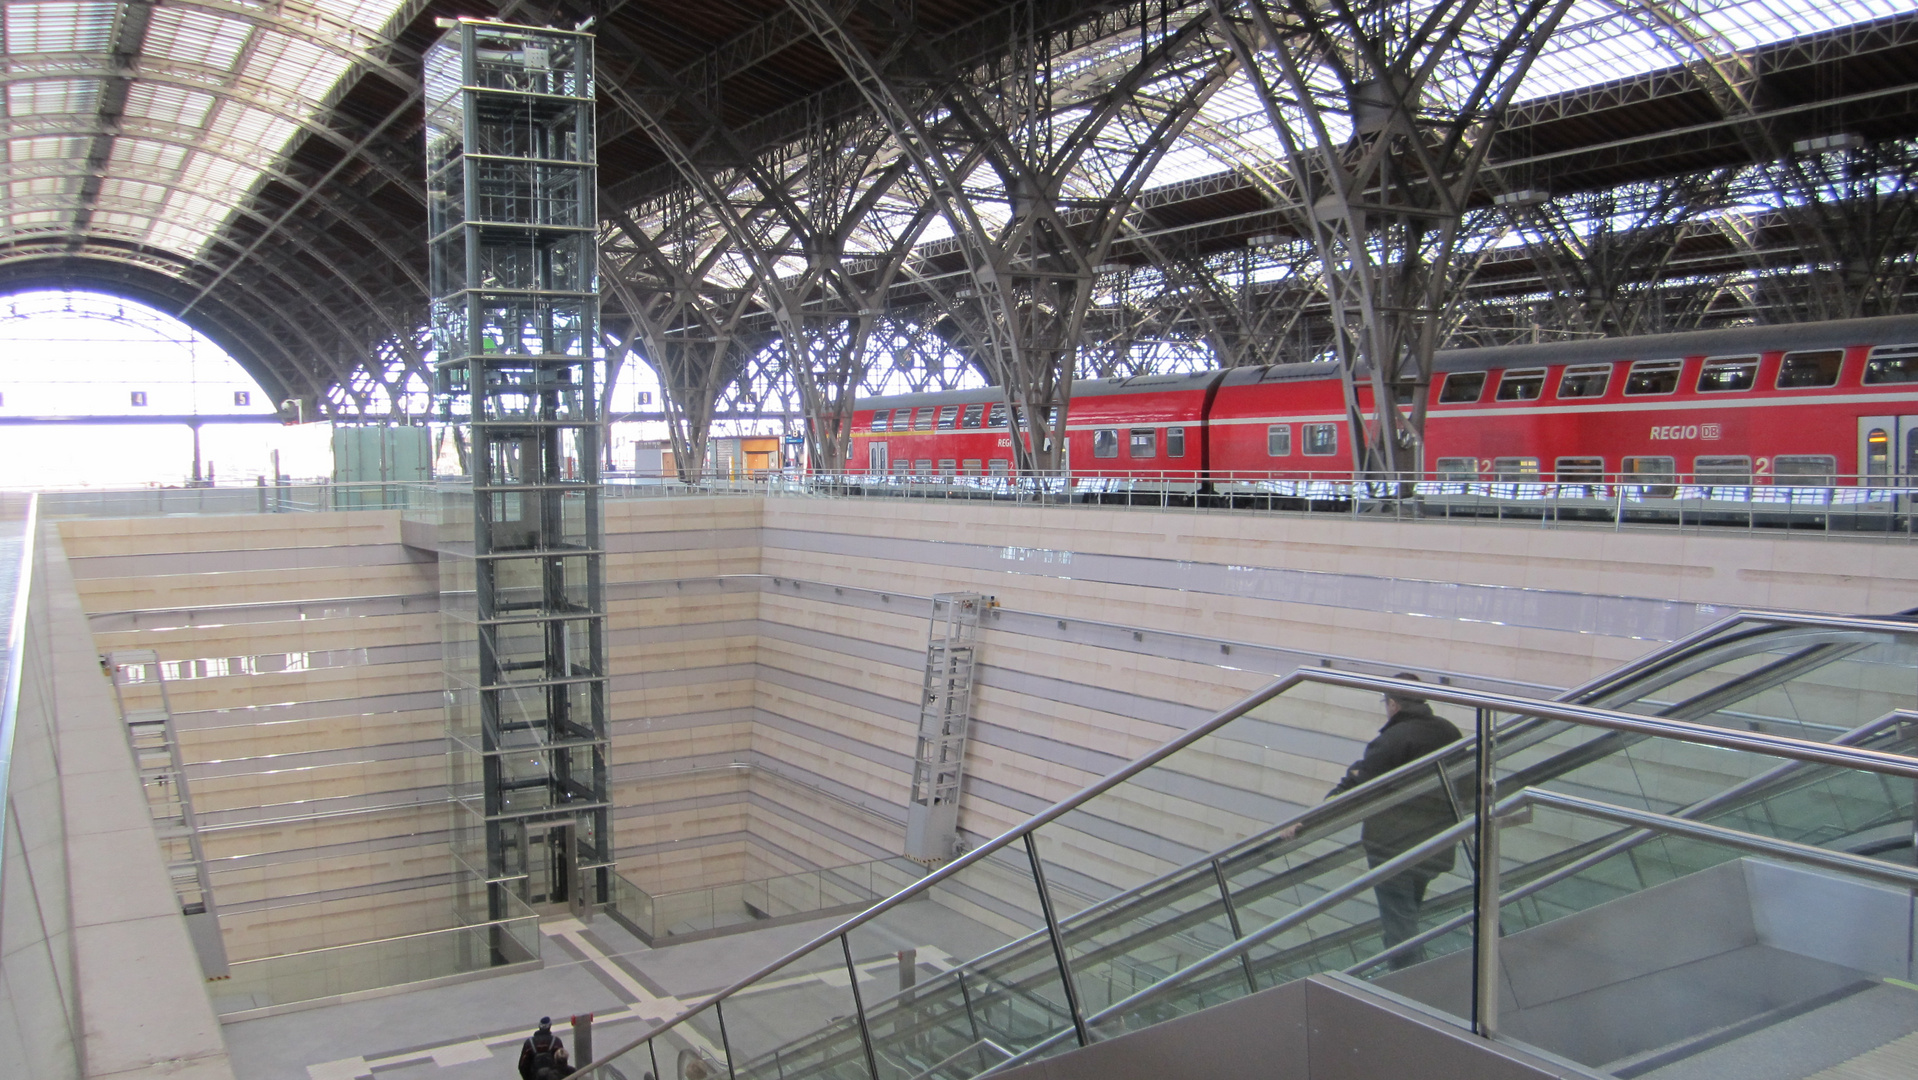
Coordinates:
<point>1399,901</point>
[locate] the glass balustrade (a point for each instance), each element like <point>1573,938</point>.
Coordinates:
<point>369,965</point>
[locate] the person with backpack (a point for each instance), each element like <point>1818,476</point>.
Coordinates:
<point>541,1053</point>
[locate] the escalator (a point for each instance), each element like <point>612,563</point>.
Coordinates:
<point>1165,889</point>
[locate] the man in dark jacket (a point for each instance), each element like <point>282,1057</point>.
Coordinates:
<point>541,1052</point>
<point>1411,731</point>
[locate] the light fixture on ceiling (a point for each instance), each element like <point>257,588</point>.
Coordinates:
<point>1521,197</point>
<point>1844,142</point>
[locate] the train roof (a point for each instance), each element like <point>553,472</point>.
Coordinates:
<point>1081,388</point>
<point>1889,329</point>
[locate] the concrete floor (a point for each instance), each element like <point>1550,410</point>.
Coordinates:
<point>473,1030</point>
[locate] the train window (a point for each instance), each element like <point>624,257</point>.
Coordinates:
<point>1653,377</point>
<point>922,419</point>
<point>1728,375</point>
<point>1892,364</point>
<point>1515,468</point>
<point>1658,474</point>
<point>1404,393</point>
<point>1811,470</point>
<point>1722,470</point>
<point>972,467</point>
<point>970,418</point>
<point>1000,466</point>
<point>1278,440</point>
<point>1524,385</point>
<point>879,419</point>
<point>1459,468</point>
<point>1105,442</point>
<point>1579,470</point>
<point>1175,442</point>
<point>1877,455</point>
<point>1144,443</point>
<point>1802,369</point>
<point>1462,386</point>
<point>922,467</point>
<point>1585,380</point>
<point>1320,439</point>
<point>996,416</point>
<point>948,467</point>
<point>948,416</point>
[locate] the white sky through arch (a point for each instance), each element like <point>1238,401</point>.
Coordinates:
<point>83,354</point>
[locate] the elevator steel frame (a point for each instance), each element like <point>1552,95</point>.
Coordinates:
<point>511,179</point>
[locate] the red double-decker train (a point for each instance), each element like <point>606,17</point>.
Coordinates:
<point>1816,404</point>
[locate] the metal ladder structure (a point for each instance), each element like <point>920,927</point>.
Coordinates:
<point>945,709</point>
<point>140,690</point>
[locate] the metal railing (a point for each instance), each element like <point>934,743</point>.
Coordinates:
<point>1315,823</point>
<point>324,971</point>
<point>1810,505</point>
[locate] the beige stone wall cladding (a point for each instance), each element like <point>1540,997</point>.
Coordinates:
<point>766,659</point>
<point>312,727</point>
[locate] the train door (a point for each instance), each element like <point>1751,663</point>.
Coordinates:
<point>1887,450</point>
<point>878,462</point>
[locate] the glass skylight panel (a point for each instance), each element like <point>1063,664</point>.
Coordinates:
<point>37,217</point>
<point>168,104</point>
<point>176,236</point>
<point>197,208</point>
<point>47,147</point>
<point>293,66</point>
<point>248,126</point>
<point>195,37</point>
<point>151,153</point>
<point>369,14</point>
<point>206,172</point>
<point>59,26</point>
<point>45,96</point>
<point>41,185</point>
<point>120,221</point>
<point>121,190</point>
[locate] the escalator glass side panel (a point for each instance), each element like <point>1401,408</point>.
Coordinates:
<point>800,1019</point>
<point>1804,682</point>
<point>1824,806</point>
<point>1007,996</point>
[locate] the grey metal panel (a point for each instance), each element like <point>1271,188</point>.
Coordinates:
<point>1323,1028</point>
<point>1356,1033</point>
<point>1694,917</point>
<point>1853,923</point>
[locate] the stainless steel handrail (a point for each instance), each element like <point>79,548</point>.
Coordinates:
<point>1772,745</point>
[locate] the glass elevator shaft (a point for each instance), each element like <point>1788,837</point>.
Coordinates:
<point>511,184</point>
